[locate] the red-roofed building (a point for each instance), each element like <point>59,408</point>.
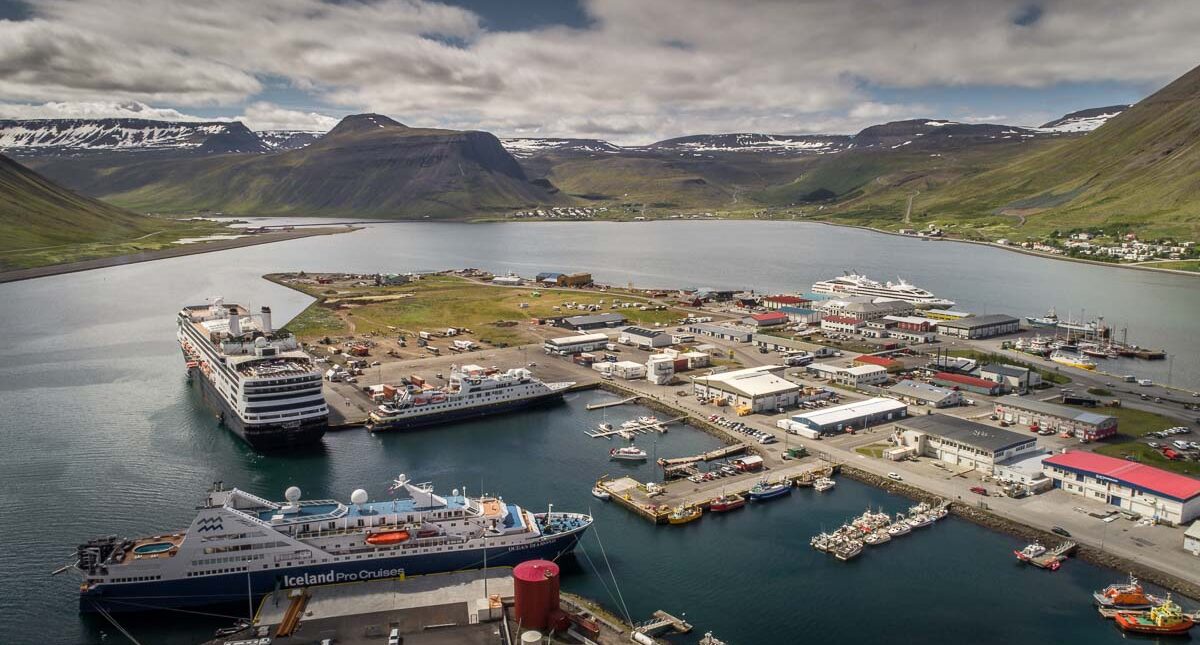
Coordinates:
<point>891,364</point>
<point>775,302</point>
<point>841,324</point>
<point>968,383</point>
<point>1153,492</point>
<point>769,319</point>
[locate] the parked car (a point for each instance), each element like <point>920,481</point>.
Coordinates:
<point>1061,531</point>
<point>895,477</point>
<point>979,490</point>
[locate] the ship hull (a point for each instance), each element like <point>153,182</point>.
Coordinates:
<point>235,587</point>
<point>460,414</point>
<point>261,437</point>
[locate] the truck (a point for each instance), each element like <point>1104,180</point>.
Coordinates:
<point>463,345</point>
<point>424,335</point>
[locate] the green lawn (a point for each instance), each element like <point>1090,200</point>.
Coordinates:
<point>1179,265</point>
<point>874,450</point>
<point>1149,456</point>
<point>492,313</point>
<point>1133,423</point>
<point>1048,375</point>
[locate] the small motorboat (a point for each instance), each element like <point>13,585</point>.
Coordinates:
<point>726,503</point>
<point>823,484</point>
<point>848,550</point>
<point>387,538</point>
<point>684,514</point>
<point>1031,551</point>
<point>1165,619</point>
<point>600,493</point>
<point>628,453</point>
<point>920,520</point>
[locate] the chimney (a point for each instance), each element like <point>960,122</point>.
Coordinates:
<point>235,322</point>
<point>266,320</point>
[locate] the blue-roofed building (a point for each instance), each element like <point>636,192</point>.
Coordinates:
<point>801,314</point>
<point>548,278</point>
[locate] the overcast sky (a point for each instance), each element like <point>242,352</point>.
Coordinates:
<point>630,71</point>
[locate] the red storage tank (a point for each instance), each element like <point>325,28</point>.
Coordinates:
<point>535,591</point>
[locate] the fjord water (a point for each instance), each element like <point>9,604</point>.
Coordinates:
<point>101,434</point>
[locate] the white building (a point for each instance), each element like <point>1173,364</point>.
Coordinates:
<point>644,338</point>
<point>1149,491</point>
<point>1191,539</point>
<point>857,415</point>
<point>860,375</point>
<point>921,393</point>
<point>961,442</point>
<point>568,345</point>
<point>757,388</point>
<point>628,370</point>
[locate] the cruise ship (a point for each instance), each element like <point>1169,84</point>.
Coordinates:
<point>241,546</point>
<point>263,387</point>
<point>472,391</point>
<point>853,284</point>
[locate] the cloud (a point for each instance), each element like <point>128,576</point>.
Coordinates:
<point>93,110</point>
<point>266,116</point>
<point>637,71</point>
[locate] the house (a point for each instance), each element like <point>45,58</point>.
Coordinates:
<point>1012,378</point>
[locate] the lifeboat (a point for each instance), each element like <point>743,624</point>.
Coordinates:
<point>385,538</point>
<point>1164,619</point>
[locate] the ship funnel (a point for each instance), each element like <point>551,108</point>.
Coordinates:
<point>235,323</point>
<point>265,320</point>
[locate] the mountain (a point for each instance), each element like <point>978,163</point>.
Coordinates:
<point>1083,120</point>
<point>937,133</point>
<point>287,139</point>
<point>59,136</point>
<point>750,142</point>
<point>368,165</point>
<point>35,212</point>
<point>528,147</point>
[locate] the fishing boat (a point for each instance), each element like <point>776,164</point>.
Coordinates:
<point>1049,320</point>
<point>848,550</point>
<point>920,520</point>
<point>876,538</point>
<point>1031,551</point>
<point>1166,619</point>
<point>726,503</point>
<point>628,453</point>
<point>821,541</point>
<point>764,491</point>
<point>684,514</point>
<point>823,484</point>
<point>1073,360</point>
<point>1125,595</point>
<point>1095,352</point>
<point>600,493</point>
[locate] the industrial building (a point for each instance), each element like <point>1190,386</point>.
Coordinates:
<point>574,280</point>
<point>1191,539</point>
<point>568,345</point>
<point>980,326</point>
<point>628,370</point>
<point>507,280</point>
<point>860,375</point>
<point>644,338</point>
<point>593,321</point>
<point>780,344</point>
<point>757,389</point>
<point>801,315</point>
<point>1012,378</point>
<point>1138,488</point>
<point>720,331</point>
<point>1086,425</point>
<point>921,393</point>
<point>848,416</point>
<point>863,308</point>
<point>1024,471</point>
<point>960,442</point>
<point>841,324</point>
<point>779,302</point>
<point>769,319</point>
<point>968,383</point>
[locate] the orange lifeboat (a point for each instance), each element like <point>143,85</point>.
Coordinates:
<point>386,538</point>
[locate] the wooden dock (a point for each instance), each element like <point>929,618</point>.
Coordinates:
<point>719,453</point>
<point>609,404</point>
<point>661,622</point>
<point>1052,559</point>
<point>628,433</point>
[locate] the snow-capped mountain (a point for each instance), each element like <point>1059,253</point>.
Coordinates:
<point>287,139</point>
<point>527,147</point>
<point>51,136</point>
<point>788,144</point>
<point>1083,120</point>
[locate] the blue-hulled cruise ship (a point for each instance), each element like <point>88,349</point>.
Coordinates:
<point>240,544</point>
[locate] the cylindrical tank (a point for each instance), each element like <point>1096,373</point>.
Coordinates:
<point>535,593</point>
<point>531,636</point>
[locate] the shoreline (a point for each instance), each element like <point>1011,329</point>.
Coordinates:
<point>16,275</point>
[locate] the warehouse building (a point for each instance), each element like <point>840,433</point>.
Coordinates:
<point>1138,488</point>
<point>801,315</point>
<point>841,324</point>
<point>593,321</point>
<point>569,345</point>
<point>756,389</point>
<point>574,280</point>
<point>967,383</point>
<point>860,375</point>
<point>644,338</point>
<point>920,393</point>
<point>769,319</point>
<point>779,302</point>
<point>720,331</point>
<point>852,416</point>
<point>1086,425</point>
<point>980,326</point>
<point>862,308</point>
<point>780,344</point>
<point>1012,378</point>
<point>961,442</point>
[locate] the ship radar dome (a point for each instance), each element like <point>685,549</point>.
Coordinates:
<point>359,497</point>
<point>454,492</point>
<point>260,342</point>
<point>292,494</point>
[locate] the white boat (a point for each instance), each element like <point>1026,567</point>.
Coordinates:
<point>600,493</point>
<point>853,284</point>
<point>1031,551</point>
<point>823,484</point>
<point>628,453</point>
<point>919,521</point>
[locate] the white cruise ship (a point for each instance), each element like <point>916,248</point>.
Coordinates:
<point>472,391</point>
<point>262,385</point>
<point>853,284</point>
<point>242,545</point>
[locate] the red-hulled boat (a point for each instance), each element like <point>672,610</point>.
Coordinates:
<point>1166,619</point>
<point>727,503</point>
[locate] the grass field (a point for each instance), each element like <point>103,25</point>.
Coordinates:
<point>437,302</point>
<point>1178,265</point>
<point>1132,424</point>
<point>158,233</point>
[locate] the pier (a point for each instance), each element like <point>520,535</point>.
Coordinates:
<point>661,622</point>
<point>609,404</point>
<point>634,429</point>
<point>1052,559</point>
<point>735,449</point>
